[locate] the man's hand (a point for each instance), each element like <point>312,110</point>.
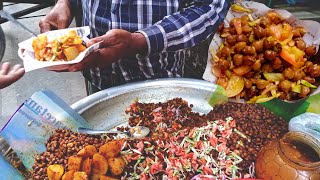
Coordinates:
<point>59,17</point>
<point>115,44</point>
<point>10,75</point>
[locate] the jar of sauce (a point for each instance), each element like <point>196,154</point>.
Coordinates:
<point>295,156</point>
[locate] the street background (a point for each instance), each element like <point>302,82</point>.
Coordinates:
<point>69,86</point>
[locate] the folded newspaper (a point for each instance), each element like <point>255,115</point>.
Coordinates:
<point>36,119</point>
<point>26,52</point>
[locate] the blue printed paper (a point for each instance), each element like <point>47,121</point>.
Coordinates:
<point>32,124</point>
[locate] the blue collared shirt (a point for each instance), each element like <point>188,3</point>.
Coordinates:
<point>168,30</point>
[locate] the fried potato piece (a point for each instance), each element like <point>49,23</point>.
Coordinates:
<point>99,164</point>
<point>80,47</point>
<point>55,172</point>
<point>68,175</point>
<point>87,166</point>
<point>111,149</point>
<point>71,52</point>
<point>38,44</point>
<point>95,177</point>
<point>116,165</point>
<point>102,177</point>
<point>80,176</point>
<point>66,47</point>
<point>74,163</point>
<point>87,151</point>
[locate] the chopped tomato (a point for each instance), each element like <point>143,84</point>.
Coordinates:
<point>144,176</point>
<point>140,146</point>
<point>213,141</point>
<point>155,168</point>
<point>221,147</point>
<point>232,123</point>
<point>135,156</point>
<point>207,170</point>
<point>159,154</point>
<point>194,164</point>
<point>291,54</point>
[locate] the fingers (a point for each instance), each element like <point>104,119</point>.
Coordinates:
<point>44,26</point>
<point>5,68</point>
<point>94,40</point>
<point>9,76</point>
<point>86,63</point>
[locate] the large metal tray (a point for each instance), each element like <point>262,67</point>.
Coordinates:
<point>106,109</point>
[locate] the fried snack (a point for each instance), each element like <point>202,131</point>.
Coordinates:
<point>116,165</point>
<point>99,164</point>
<point>111,149</point>
<point>74,163</point>
<point>80,176</point>
<point>87,166</point>
<point>68,175</point>
<point>66,47</point>
<point>87,151</point>
<point>265,58</point>
<point>55,172</point>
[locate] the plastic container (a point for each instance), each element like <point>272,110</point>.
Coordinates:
<point>308,123</point>
<point>295,156</point>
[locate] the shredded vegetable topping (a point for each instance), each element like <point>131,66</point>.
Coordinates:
<point>195,153</point>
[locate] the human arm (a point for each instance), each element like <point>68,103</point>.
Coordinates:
<point>59,17</point>
<point>195,20</point>
<point>187,27</point>
<point>9,75</point>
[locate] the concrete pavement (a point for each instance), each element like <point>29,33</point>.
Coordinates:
<point>69,86</point>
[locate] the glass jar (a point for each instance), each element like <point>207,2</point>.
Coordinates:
<point>295,156</point>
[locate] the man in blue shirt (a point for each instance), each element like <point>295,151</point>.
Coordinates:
<point>140,39</point>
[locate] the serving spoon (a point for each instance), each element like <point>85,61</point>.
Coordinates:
<point>135,132</point>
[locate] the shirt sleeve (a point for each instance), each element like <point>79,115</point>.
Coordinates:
<point>186,28</point>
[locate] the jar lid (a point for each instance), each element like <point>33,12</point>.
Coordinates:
<point>301,148</point>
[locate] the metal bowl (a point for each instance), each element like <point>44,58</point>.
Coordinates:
<point>106,109</point>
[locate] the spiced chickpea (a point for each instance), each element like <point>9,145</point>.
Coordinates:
<point>239,46</point>
<point>274,17</point>
<point>265,22</point>
<point>270,55</point>
<point>262,84</point>
<point>309,79</point>
<point>256,65</point>
<point>304,92</point>
<point>267,68</point>
<point>231,40</point>
<point>296,32</point>
<point>285,86</point>
<point>247,83</point>
<point>277,63</point>
<point>244,19</point>
<point>258,45</point>
<point>221,27</point>
<point>241,38</point>
<point>311,50</point>
<point>267,44</point>
<point>314,71</point>
<point>246,29</point>
<point>238,59</point>
<point>249,50</point>
<point>248,60</point>
<point>298,75</point>
<point>288,73</point>
<point>301,44</point>
<point>259,32</point>
<point>226,51</point>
